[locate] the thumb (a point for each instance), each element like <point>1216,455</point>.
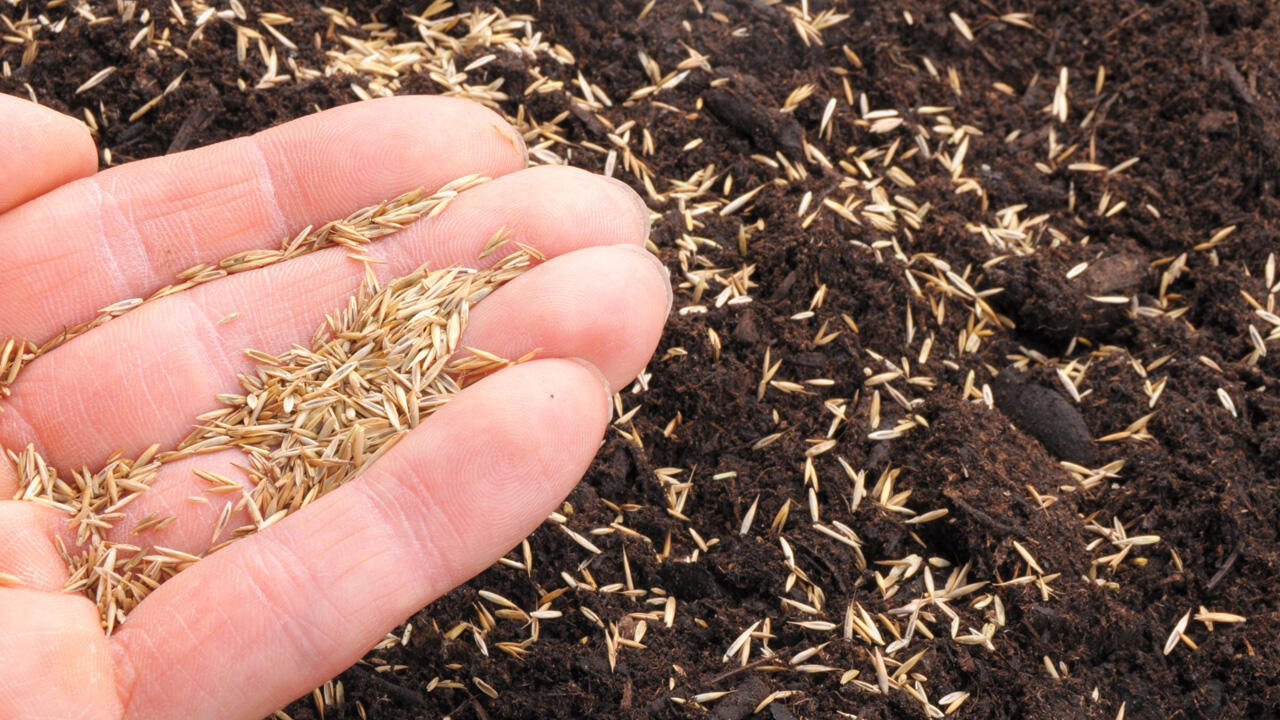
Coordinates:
<point>300,601</point>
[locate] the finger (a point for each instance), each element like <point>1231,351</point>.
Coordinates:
<point>141,378</point>
<point>305,598</point>
<point>40,149</point>
<point>605,305</point>
<point>27,553</point>
<point>55,658</point>
<point>128,231</point>
<point>552,208</point>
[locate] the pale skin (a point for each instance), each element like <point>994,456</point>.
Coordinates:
<point>266,619</point>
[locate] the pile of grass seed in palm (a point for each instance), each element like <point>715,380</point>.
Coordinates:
<point>308,420</point>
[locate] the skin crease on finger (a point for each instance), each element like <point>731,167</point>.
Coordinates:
<point>171,356</point>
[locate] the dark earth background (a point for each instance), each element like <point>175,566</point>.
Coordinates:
<point>1192,88</point>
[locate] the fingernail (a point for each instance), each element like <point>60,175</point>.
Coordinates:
<point>608,391</point>
<point>660,267</point>
<point>642,210</point>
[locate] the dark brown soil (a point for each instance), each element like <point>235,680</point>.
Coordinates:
<point>1192,88</point>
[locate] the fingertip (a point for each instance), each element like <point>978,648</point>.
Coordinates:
<point>546,412</point>
<point>512,136</point>
<point>600,378</point>
<point>80,149</point>
<point>518,441</point>
<point>637,210</point>
<point>40,149</point>
<point>485,469</point>
<point>659,267</point>
<point>475,127</point>
<point>83,150</point>
<point>604,304</point>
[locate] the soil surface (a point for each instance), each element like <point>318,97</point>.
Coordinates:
<point>931,280</point>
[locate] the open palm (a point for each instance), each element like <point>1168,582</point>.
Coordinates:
<point>266,619</point>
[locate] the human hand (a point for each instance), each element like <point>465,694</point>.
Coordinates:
<point>275,614</point>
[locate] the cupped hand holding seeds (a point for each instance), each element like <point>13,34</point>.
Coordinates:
<point>276,613</point>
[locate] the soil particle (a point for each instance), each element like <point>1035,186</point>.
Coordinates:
<point>742,701</point>
<point>746,106</point>
<point>1115,274</point>
<point>1046,416</point>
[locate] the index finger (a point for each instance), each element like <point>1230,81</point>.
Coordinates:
<point>128,231</point>
<point>40,149</point>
